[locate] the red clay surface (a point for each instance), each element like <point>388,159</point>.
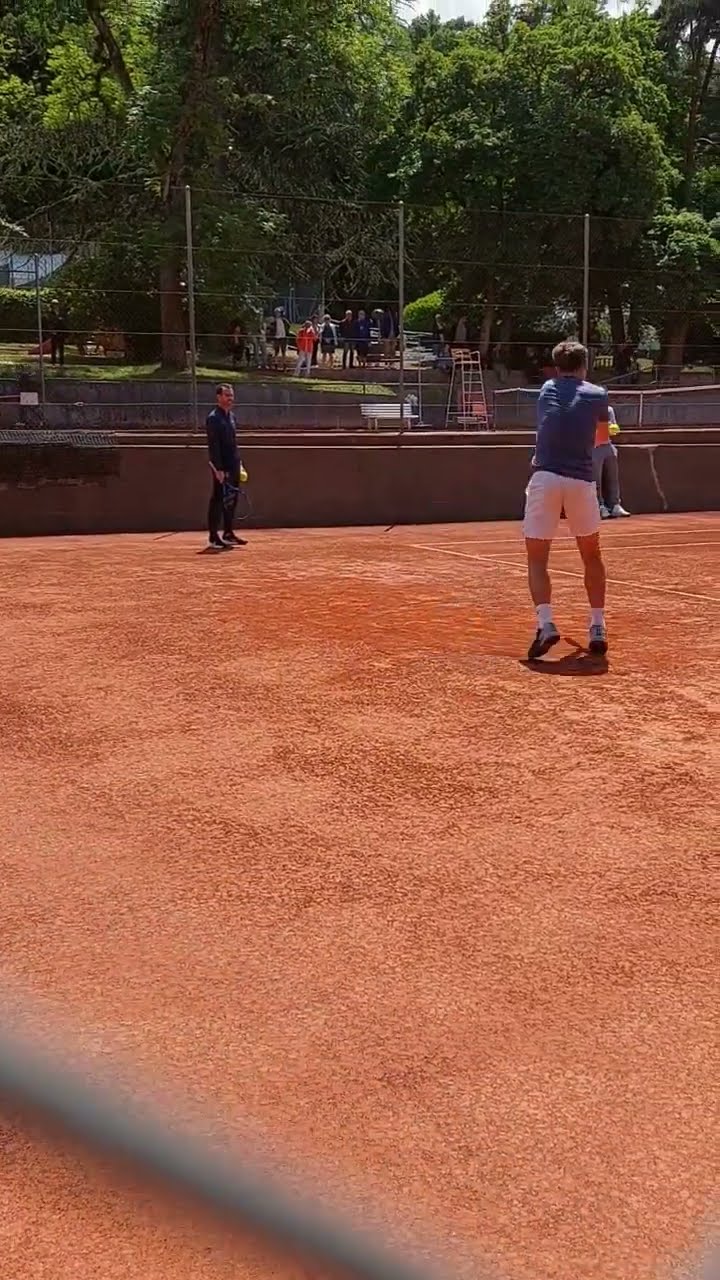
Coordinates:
<point>294,833</point>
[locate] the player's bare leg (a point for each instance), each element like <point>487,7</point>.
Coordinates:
<point>547,634</point>
<point>595,582</point>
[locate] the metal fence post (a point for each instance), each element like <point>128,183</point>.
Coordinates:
<point>41,357</point>
<point>191,304</point>
<point>401,308</point>
<point>586,280</point>
<point>641,410</point>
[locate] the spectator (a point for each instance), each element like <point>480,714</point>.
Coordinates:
<point>346,329</point>
<point>389,334</point>
<point>278,333</point>
<point>316,345</point>
<point>499,363</point>
<point>606,470</point>
<point>305,342</point>
<point>328,341</point>
<point>261,347</point>
<point>58,333</point>
<point>532,366</point>
<point>361,336</point>
<point>237,343</point>
<point>438,335</point>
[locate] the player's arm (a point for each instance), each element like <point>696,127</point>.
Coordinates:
<point>215,448</point>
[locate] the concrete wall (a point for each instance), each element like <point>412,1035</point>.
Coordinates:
<point>80,404</point>
<point>162,488</point>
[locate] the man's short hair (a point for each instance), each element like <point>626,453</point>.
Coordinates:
<point>570,356</point>
<point>222,388</point>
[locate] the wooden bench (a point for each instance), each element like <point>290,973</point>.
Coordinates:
<point>387,411</point>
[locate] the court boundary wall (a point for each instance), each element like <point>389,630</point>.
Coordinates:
<point>164,488</point>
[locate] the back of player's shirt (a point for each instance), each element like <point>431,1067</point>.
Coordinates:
<point>567,415</point>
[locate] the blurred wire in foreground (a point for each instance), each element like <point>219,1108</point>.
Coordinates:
<point>230,1191</point>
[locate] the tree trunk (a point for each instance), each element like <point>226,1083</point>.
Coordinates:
<point>195,107</point>
<point>617,319</point>
<point>506,326</point>
<point>172,316</point>
<point>505,338</point>
<point>197,94</point>
<point>673,352</point>
<point>702,78</point>
<point>488,320</point>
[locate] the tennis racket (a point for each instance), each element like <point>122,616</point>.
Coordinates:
<point>238,495</point>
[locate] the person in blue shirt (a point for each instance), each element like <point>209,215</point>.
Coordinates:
<point>225,465</point>
<point>568,413</point>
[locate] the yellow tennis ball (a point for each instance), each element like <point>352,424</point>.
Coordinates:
<point>243,476</point>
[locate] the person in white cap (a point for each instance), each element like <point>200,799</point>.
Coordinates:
<point>606,470</point>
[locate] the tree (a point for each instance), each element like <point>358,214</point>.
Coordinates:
<point>213,94</point>
<point>515,131</point>
<point>684,250</point>
<point>690,35</point>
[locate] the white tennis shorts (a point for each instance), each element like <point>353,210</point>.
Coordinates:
<point>546,496</point>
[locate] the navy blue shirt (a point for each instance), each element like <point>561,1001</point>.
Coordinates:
<point>222,440</point>
<point>567,415</point>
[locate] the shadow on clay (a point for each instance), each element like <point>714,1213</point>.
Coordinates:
<point>578,663</point>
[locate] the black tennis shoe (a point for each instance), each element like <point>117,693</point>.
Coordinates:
<point>545,638</point>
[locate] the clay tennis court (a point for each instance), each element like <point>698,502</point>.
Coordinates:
<point>293,833</point>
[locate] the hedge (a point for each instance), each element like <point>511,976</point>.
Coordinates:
<point>18,315</point>
<point>420,315</point>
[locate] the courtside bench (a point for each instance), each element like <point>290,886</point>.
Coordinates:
<point>386,411</point>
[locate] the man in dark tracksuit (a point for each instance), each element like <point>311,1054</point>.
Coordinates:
<point>225,466</point>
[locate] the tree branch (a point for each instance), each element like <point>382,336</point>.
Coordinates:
<point>115,57</point>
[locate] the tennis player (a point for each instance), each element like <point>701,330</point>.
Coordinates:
<point>225,465</point>
<point>569,411</point>
<point>607,470</point>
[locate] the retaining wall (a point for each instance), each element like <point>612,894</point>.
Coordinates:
<point>158,488</point>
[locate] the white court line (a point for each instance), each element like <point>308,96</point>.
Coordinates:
<point>649,546</point>
<point>606,542</point>
<point>567,573</point>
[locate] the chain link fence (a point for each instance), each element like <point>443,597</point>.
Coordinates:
<point>130,331</point>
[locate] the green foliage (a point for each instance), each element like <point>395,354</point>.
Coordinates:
<point>499,135</point>
<point>420,314</point>
<point>18,316</point>
<point>685,251</point>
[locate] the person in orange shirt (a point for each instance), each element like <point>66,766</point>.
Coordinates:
<point>305,340</point>
<point>606,470</point>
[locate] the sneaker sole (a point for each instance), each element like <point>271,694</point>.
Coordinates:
<point>598,647</point>
<point>539,648</point>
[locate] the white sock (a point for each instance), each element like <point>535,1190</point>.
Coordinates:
<point>597,617</point>
<point>544,614</point>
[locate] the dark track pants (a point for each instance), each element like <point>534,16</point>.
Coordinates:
<point>218,513</point>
